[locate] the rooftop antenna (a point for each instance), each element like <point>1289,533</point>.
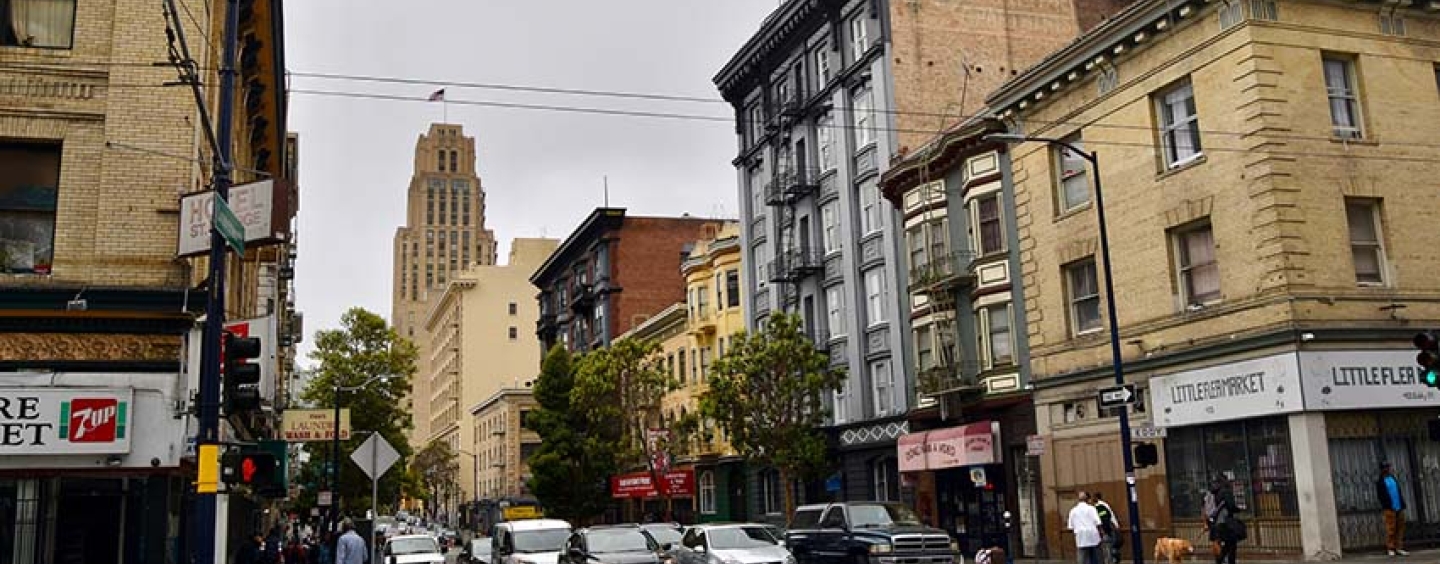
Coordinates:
<point>607,190</point>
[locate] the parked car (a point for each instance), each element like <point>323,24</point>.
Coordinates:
<point>867,533</point>
<point>477,551</point>
<point>744,543</point>
<point>666,536</point>
<point>622,544</point>
<point>412,549</point>
<point>532,541</point>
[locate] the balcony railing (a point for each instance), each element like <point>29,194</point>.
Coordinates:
<point>797,182</point>
<point>778,271</point>
<point>793,105</point>
<point>584,297</point>
<point>774,193</point>
<point>944,272</point>
<point>805,260</point>
<point>961,376</point>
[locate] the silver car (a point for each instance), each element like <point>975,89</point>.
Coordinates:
<point>742,543</point>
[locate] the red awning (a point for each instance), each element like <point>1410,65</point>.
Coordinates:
<point>967,445</point>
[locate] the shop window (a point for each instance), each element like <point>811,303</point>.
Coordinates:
<point>707,493</point>
<point>1250,458</point>
<point>29,188</point>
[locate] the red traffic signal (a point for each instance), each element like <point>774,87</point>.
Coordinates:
<point>255,469</point>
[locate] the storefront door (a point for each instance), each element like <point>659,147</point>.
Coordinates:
<point>973,514</point>
<point>1358,443</point>
<point>89,521</point>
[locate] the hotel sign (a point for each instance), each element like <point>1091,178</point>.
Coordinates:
<point>1250,388</point>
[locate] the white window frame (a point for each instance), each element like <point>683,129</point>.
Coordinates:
<point>1370,207</point>
<point>875,296</point>
<point>987,333</point>
<point>822,65</point>
<point>1071,171</point>
<point>1185,267</point>
<point>925,345</point>
<point>880,479</point>
<point>1075,301</point>
<point>841,397</point>
<point>872,214</point>
<point>862,109</point>
<point>1344,97</point>
<point>859,36</point>
<point>707,492</point>
<point>1177,118</point>
<point>1000,245</point>
<point>882,387</point>
<point>835,311</point>
<point>825,140</point>
<point>830,226</point>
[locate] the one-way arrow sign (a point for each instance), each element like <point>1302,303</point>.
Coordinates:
<point>1117,396</point>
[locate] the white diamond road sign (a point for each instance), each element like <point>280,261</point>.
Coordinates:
<point>375,456</point>
<point>1118,396</point>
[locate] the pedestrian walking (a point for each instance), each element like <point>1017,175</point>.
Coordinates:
<point>1225,527</point>
<point>270,553</point>
<point>1392,505</point>
<point>249,551</point>
<point>1085,523</point>
<point>351,548</point>
<point>1109,532</point>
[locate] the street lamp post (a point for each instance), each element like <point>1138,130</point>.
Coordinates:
<point>335,451</point>
<point>1132,498</point>
<point>474,486</point>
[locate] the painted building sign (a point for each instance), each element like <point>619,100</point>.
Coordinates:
<point>1250,388</point>
<point>678,483</point>
<point>1372,379</point>
<point>65,421</point>
<point>966,445</point>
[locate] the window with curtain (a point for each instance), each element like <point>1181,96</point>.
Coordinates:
<point>47,24</point>
<point>29,193</point>
<point>862,108</point>
<point>1343,97</point>
<point>1179,124</point>
<point>830,226</point>
<point>999,343</point>
<point>875,292</point>
<point>1199,275</point>
<point>872,213</point>
<point>835,311</point>
<point>1083,293</point>
<point>1366,249</point>
<point>991,230</point>
<point>1072,179</point>
<point>882,385</point>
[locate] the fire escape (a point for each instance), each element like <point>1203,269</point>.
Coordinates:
<point>797,257</point>
<point>940,279</point>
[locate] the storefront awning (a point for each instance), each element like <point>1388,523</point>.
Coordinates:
<point>967,445</point>
<point>677,483</point>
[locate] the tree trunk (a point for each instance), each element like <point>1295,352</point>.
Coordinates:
<point>787,492</point>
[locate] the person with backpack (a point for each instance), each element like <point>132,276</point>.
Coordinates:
<point>1109,532</point>
<point>1392,505</point>
<point>1226,528</point>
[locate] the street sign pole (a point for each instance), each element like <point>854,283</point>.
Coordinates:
<point>374,504</point>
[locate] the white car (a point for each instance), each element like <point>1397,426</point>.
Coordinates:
<point>531,541</point>
<point>731,544</point>
<point>412,549</point>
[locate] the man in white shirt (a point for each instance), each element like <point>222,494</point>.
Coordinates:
<point>1085,523</point>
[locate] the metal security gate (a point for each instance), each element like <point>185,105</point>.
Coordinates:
<point>1358,444</point>
<point>1252,458</point>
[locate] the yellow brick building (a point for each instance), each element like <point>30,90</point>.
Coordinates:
<point>477,342</point>
<point>1268,171</point>
<point>96,301</point>
<point>691,334</point>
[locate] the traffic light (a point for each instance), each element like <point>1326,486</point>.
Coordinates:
<point>1428,358</point>
<point>251,468</point>
<point>241,376</point>
<point>1146,455</point>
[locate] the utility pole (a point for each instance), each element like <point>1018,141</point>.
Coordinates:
<point>208,436</point>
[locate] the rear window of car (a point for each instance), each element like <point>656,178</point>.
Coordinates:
<point>805,519</point>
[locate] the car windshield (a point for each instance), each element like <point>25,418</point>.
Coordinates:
<point>881,515</point>
<point>544,540</point>
<point>740,538</point>
<point>663,534</point>
<point>618,540</point>
<point>414,546</point>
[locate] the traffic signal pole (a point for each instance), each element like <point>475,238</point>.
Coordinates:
<point>203,522</point>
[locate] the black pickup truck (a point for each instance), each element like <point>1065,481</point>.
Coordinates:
<point>866,533</point>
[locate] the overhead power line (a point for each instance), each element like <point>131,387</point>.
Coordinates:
<point>508,87</point>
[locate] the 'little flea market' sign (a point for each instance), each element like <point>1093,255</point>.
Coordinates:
<point>65,421</point>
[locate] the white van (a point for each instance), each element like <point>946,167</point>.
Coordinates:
<point>531,541</point>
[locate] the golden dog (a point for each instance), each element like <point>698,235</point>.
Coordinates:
<point>1172,549</point>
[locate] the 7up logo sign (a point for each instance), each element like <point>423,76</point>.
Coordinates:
<point>92,420</point>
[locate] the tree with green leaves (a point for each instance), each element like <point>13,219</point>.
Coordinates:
<point>618,390</point>
<point>364,346</point>
<point>570,469</point>
<point>439,469</point>
<point>767,395</point>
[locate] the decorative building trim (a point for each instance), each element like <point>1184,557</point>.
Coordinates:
<point>877,433</point>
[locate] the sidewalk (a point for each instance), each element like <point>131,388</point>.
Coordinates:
<point>1430,556</point>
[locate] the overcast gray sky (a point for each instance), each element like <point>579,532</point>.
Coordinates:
<point>542,170</point>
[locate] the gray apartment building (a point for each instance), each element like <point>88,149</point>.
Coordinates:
<point>826,93</point>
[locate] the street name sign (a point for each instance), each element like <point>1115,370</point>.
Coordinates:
<point>229,226</point>
<point>1148,432</point>
<point>1118,396</point>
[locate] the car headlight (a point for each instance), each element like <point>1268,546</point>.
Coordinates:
<point>954,546</point>
<point>881,549</point>
<point>524,561</point>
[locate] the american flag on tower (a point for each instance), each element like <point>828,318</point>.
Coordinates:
<point>438,95</point>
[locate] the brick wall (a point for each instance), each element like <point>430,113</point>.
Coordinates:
<point>646,264</point>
